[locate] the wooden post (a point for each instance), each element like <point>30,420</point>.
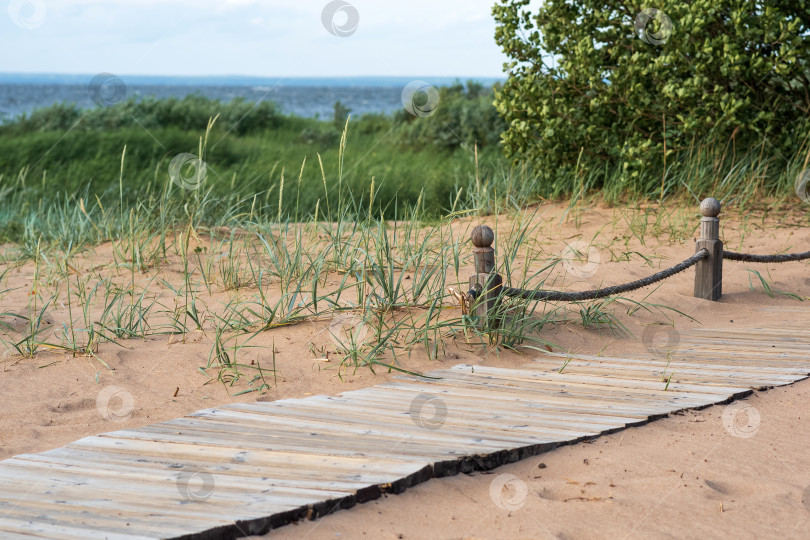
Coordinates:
<point>709,271</point>
<point>485,280</point>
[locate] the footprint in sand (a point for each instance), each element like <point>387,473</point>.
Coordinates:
<point>73,406</point>
<point>729,489</point>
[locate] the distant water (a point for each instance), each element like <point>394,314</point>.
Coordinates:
<point>303,97</point>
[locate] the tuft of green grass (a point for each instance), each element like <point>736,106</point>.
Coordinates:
<point>373,231</point>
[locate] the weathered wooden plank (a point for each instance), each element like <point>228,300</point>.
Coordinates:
<point>29,526</point>
<point>680,373</point>
<point>771,357</point>
<point>222,475</point>
<point>469,412</point>
<point>343,479</point>
<point>291,438</point>
<point>500,398</point>
<point>704,367</point>
<point>585,381</point>
<point>7,534</point>
<point>214,513</point>
<point>782,342</point>
<point>792,337</point>
<point>513,431</point>
<point>772,360</point>
<point>124,440</point>
<point>631,367</point>
<point>151,493</point>
<point>105,517</point>
<point>748,332</point>
<point>381,473</point>
<point>262,457</point>
<point>452,433</point>
<point>633,393</point>
<point>504,407</point>
<point>474,410</point>
<point>100,517</point>
<point>583,388</point>
<point>414,442</point>
<point>304,442</point>
<point>742,344</point>
<point>560,396</point>
<point>466,413</point>
<point>389,426</point>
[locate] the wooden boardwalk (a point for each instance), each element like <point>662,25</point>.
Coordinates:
<point>246,468</point>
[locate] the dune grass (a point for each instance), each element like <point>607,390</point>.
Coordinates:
<point>363,237</point>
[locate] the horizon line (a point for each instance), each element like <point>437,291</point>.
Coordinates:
<point>242,76</point>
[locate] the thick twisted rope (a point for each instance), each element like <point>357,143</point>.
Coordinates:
<point>747,257</point>
<point>557,296</point>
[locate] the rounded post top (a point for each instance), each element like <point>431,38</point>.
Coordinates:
<point>710,207</point>
<point>482,236</point>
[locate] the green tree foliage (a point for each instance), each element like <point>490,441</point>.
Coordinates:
<point>342,112</point>
<point>611,84</point>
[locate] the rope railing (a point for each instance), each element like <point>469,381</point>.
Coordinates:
<point>486,286</point>
<point>558,296</point>
<point>747,257</point>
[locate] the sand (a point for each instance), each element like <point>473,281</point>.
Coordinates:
<point>681,477</point>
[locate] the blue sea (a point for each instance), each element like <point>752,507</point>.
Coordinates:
<point>307,97</point>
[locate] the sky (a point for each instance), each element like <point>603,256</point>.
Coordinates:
<point>267,38</point>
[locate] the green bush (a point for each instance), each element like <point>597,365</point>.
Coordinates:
<point>192,112</point>
<point>322,135</point>
<point>464,117</point>
<point>611,84</point>
<point>63,153</point>
<point>372,123</point>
